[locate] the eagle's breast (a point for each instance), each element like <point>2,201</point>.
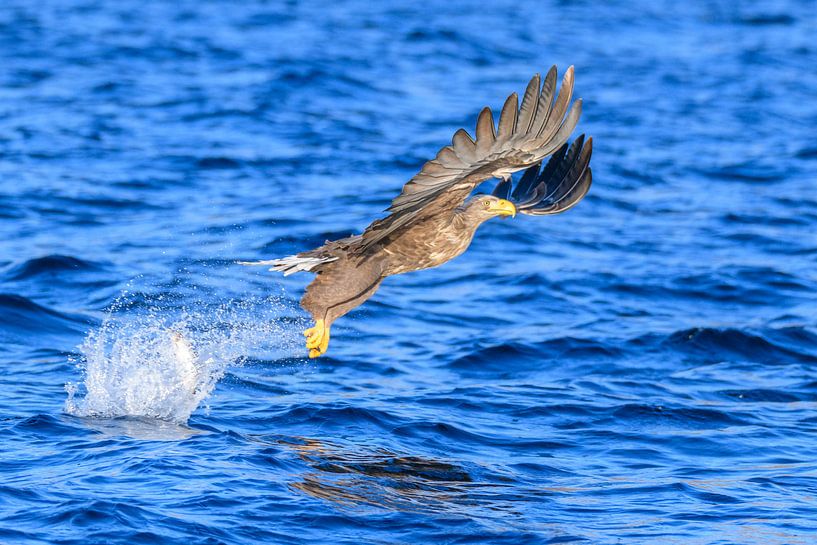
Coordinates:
<point>429,244</point>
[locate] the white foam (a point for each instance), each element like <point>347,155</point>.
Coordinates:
<point>152,365</point>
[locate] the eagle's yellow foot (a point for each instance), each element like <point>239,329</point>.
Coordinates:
<point>314,334</point>
<point>317,339</point>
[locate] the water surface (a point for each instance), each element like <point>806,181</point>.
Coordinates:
<point>641,369</point>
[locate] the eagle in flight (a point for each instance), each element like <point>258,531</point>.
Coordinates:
<point>434,217</point>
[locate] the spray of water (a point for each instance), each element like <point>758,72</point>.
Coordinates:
<point>162,364</point>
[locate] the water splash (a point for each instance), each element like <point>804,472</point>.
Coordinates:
<point>163,364</point>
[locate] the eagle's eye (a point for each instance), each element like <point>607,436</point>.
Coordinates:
<point>486,203</point>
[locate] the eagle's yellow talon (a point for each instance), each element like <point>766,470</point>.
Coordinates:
<point>317,339</point>
<point>314,340</point>
<point>324,346</point>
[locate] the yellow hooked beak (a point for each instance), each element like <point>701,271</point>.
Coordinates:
<point>503,208</point>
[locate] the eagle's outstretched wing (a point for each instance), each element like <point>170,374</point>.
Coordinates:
<point>526,134</point>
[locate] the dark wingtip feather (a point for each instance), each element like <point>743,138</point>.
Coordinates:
<point>502,189</point>
<point>537,189</point>
<point>576,194</point>
<point>571,199</point>
<point>526,182</point>
<point>561,184</point>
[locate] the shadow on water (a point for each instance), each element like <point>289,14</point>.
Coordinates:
<point>351,477</point>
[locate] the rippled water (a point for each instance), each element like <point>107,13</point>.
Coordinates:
<point>641,369</point>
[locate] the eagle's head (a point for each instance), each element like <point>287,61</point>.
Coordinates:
<point>485,207</point>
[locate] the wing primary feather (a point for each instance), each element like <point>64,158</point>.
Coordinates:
<point>571,198</point>
<point>556,193</point>
<point>563,182</point>
<point>507,119</point>
<point>561,173</point>
<point>528,109</point>
<point>572,177</point>
<point>464,146</point>
<point>502,189</point>
<point>527,181</point>
<point>486,132</point>
<point>559,107</point>
<point>448,158</point>
<point>551,180</point>
<point>532,194</point>
<point>553,163</point>
<point>566,128</point>
<point>545,106</point>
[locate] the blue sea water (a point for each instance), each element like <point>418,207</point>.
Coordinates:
<point>641,369</point>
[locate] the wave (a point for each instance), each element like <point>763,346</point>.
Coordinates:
<point>764,395</point>
<point>703,345</point>
<point>20,316</point>
<point>513,358</point>
<point>50,264</point>
<point>686,417</point>
<point>769,346</point>
<point>217,162</point>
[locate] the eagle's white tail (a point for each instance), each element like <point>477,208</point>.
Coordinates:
<point>292,264</point>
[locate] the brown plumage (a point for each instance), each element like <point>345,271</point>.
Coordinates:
<point>433,219</point>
